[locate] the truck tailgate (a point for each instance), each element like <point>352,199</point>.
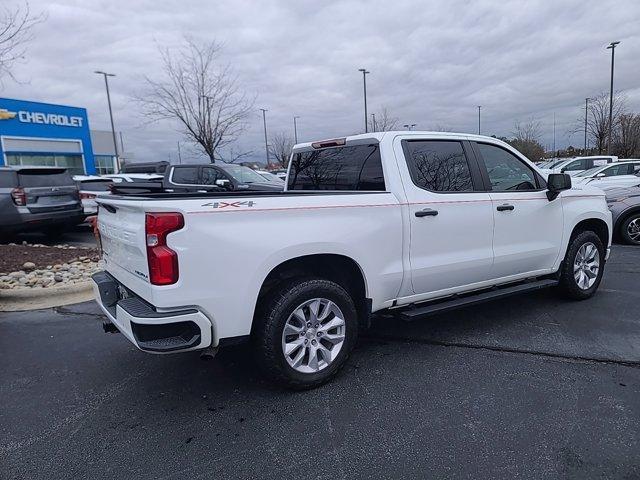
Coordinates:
<point>122,232</point>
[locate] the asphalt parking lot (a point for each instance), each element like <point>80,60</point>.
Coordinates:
<point>529,387</point>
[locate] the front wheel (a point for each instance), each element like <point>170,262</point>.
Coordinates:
<point>583,266</point>
<point>304,332</point>
<point>630,229</point>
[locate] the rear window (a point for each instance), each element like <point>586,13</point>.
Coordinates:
<point>185,176</point>
<point>44,178</point>
<point>94,185</point>
<point>355,167</point>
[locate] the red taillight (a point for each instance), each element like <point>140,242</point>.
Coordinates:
<point>19,197</point>
<point>163,262</point>
<point>87,196</point>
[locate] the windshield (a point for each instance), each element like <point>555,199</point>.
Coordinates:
<point>270,177</point>
<point>588,173</point>
<point>243,174</point>
<point>556,163</point>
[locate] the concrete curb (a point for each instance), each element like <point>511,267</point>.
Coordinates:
<point>37,298</point>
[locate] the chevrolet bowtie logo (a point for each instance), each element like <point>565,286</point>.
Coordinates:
<point>6,114</point>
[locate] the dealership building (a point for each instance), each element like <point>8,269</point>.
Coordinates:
<point>42,134</point>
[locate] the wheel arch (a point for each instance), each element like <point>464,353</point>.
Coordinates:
<point>596,225</point>
<point>623,217</point>
<point>341,269</point>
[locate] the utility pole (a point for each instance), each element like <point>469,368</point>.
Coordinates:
<point>373,122</point>
<point>611,46</point>
<point>554,134</point>
<point>113,129</point>
<point>479,107</point>
<point>586,113</point>
<point>295,128</point>
<point>364,84</point>
<point>179,154</point>
<point>266,145</point>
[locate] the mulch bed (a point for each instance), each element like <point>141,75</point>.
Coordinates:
<point>12,257</point>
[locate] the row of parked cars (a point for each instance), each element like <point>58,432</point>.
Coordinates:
<point>50,199</point>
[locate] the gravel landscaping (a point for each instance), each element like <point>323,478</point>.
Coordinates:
<point>29,266</point>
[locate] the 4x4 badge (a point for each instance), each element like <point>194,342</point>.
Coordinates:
<point>249,203</point>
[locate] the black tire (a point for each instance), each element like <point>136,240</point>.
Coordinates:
<point>272,316</point>
<point>568,285</point>
<point>624,229</point>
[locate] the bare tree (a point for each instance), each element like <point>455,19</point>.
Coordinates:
<point>598,119</point>
<point>280,148</point>
<point>527,139</point>
<point>627,136</point>
<point>384,121</point>
<point>16,30</point>
<point>202,94</point>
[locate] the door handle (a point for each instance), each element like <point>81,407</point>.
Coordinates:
<point>427,212</point>
<point>505,206</point>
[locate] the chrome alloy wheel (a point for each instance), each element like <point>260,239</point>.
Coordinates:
<point>633,229</point>
<point>313,335</point>
<point>586,266</point>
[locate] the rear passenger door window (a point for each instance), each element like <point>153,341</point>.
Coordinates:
<point>439,165</point>
<point>506,172</point>
<point>185,176</point>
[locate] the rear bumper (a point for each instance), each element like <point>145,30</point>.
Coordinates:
<point>32,221</point>
<point>151,331</point>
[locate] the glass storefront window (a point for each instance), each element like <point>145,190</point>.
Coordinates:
<point>105,164</point>
<point>73,163</point>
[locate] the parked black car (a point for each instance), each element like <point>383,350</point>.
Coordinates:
<point>38,198</point>
<point>224,176</point>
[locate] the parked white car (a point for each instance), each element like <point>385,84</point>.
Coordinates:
<point>575,165</point>
<point>624,173</point>
<point>409,222</point>
<point>90,187</point>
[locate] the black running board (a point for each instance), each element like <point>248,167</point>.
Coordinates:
<point>456,301</point>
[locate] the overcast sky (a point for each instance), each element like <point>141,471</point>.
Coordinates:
<point>431,63</point>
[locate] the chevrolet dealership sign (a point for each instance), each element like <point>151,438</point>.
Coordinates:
<point>43,118</point>
<point>49,119</point>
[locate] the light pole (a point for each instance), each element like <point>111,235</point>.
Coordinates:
<point>113,129</point>
<point>295,128</point>
<point>586,113</point>
<point>364,84</point>
<point>554,134</point>
<point>264,121</point>
<point>479,107</point>
<point>611,46</point>
<point>409,126</point>
<point>373,122</point>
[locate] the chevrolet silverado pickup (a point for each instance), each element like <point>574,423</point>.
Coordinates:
<point>412,223</point>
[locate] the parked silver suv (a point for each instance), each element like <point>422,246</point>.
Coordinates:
<point>37,198</point>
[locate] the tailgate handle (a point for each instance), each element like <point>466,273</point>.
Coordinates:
<point>109,208</point>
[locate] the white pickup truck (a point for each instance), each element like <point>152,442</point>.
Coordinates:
<point>408,222</point>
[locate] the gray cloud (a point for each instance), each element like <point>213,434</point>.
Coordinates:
<point>431,63</point>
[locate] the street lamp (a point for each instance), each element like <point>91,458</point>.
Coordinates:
<point>113,130</point>
<point>295,128</point>
<point>264,121</point>
<point>364,84</point>
<point>611,46</point>
<point>409,126</point>
<point>479,107</point>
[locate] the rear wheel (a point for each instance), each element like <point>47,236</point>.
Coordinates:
<point>583,266</point>
<point>630,229</point>
<point>304,332</point>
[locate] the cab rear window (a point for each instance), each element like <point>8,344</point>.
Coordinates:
<point>44,178</point>
<point>354,168</point>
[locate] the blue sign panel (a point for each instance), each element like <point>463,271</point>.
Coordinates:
<point>22,122</point>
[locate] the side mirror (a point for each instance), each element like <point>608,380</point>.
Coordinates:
<point>600,175</point>
<point>556,183</point>
<point>222,182</point>
<point>563,170</point>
